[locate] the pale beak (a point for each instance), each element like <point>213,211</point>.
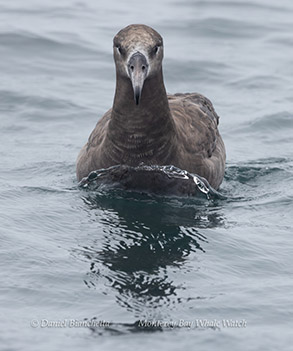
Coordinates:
<point>137,69</point>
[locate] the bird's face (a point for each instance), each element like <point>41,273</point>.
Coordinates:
<point>138,55</point>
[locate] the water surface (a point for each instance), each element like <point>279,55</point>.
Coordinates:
<point>69,254</point>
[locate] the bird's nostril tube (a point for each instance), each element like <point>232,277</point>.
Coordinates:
<point>137,64</point>
<point>143,67</point>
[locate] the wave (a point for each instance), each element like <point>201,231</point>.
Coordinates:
<point>12,100</point>
<point>254,170</point>
<point>273,122</point>
<point>163,180</point>
<point>244,5</point>
<point>31,44</point>
<point>272,128</point>
<point>215,27</point>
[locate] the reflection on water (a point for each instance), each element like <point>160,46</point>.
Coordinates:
<point>139,256</point>
<point>143,239</point>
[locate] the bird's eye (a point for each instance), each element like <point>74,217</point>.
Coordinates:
<point>119,49</point>
<point>156,49</point>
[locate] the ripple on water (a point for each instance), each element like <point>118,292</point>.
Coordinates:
<point>13,101</point>
<point>257,179</point>
<point>31,44</point>
<point>125,256</point>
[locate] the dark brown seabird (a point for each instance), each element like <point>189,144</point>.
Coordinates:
<point>147,125</point>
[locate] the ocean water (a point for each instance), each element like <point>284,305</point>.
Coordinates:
<point>83,269</point>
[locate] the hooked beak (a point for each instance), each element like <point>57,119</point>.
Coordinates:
<point>137,69</point>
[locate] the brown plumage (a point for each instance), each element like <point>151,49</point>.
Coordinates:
<point>147,125</point>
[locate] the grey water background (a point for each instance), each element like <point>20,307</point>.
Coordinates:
<point>70,254</point>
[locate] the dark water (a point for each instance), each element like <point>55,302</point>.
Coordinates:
<point>69,254</point>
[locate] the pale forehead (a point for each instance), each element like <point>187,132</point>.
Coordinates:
<point>138,35</point>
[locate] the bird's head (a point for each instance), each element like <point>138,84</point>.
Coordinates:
<point>138,55</point>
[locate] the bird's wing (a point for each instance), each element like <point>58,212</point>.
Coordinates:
<point>200,147</point>
<point>196,121</point>
<point>89,156</point>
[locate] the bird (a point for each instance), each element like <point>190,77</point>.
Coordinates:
<point>148,126</point>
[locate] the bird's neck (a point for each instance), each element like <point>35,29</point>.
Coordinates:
<point>145,131</point>
<point>153,106</point>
